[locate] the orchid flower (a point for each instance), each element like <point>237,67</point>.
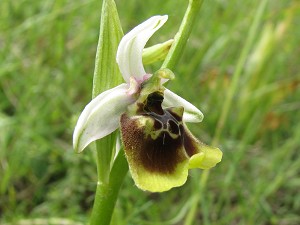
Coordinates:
<point>158,145</point>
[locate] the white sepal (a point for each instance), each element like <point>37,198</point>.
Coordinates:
<point>101,116</point>
<point>191,113</point>
<point>130,50</point>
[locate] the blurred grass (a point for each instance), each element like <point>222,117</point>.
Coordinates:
<point>47,51</point>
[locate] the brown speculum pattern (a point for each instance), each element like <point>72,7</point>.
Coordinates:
<point>154,137</point>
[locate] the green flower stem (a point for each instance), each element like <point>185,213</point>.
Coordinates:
<point>107,193</point>
<point>106,76</point>
<point>182,35</point>
<point>105,150</point>
<point>228,103</point>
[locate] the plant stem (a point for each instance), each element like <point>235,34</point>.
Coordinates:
<point>107,193</point>
<point>107,75</point>
<point>182,35</point>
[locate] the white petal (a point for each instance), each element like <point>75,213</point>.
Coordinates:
<point>101,116</point>
<point>191,113</point>
<point>130,50</point>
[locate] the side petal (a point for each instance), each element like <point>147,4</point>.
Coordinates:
<point>207,158</point>
<point>201,155</point>
<point>101,116</point>
<point>130,50</point>
<point>191,113</point>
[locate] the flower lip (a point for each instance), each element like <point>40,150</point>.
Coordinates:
<point>159,147</point>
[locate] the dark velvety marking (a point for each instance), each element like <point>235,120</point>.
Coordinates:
<point>161,155</point>
<point>174,114</point>
<point>153,103</point>
<point>158,125</point>
<point>140,108</point>
<point>173,127</point>
<point>189,142</point>
<point>153,108</point>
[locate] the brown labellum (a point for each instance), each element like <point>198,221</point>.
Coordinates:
<point>153,139</point>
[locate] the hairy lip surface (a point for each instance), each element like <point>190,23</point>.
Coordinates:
<point>157,144</point>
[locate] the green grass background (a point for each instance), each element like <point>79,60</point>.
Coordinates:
<point>47,51</point>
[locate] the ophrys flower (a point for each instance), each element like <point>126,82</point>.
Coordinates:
<point>159,147</point>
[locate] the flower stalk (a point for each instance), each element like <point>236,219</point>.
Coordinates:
<point>107,75</point>
<point>183,34</point>
<point>107,193</point>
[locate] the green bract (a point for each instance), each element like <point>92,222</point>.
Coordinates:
<point>159,147</point>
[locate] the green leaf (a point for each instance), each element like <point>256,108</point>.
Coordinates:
<point>106,76</point>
